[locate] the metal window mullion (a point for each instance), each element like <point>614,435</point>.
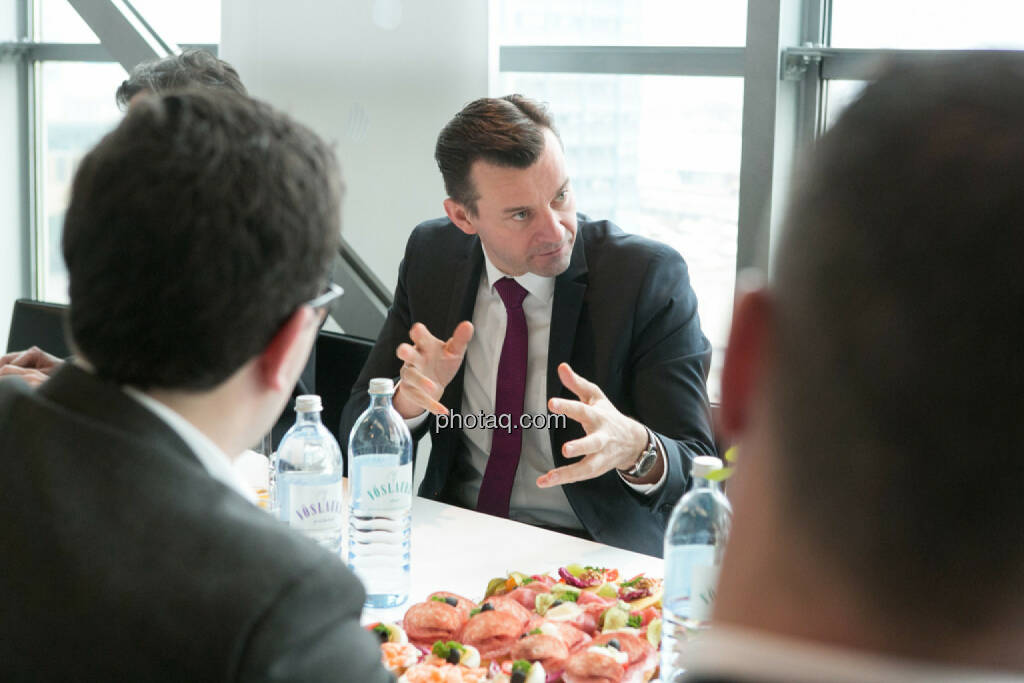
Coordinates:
<point>72,52</point>
<point>635,60</point>
<point>860,64</point>
<point>26,96</point>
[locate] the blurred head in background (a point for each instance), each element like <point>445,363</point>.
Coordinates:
<point>191,68</point>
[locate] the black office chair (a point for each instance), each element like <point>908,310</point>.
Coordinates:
<point>35,323</point>
<point>339,360</point>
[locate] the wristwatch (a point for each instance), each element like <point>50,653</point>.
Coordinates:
<point>647,459</point>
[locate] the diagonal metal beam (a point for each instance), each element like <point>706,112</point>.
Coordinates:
<point>126,36</point>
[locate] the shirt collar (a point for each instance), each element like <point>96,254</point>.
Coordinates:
<point>736,652</point>
<point>212,458</point>
<point>541,287</point>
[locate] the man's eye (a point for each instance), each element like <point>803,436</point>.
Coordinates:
<point>562,195</point>
<point>520,216</point>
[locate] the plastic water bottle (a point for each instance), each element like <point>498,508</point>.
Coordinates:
<point>380,478</point>
<point>694,542</point>
<point>307,481</point>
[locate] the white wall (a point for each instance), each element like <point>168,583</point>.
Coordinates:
<point>12,241</point>
<point>377,77</point>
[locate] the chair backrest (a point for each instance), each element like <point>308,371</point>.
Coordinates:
<point>35,323</point>
<point>339,360</point>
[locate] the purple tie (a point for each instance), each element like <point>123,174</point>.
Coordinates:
<point>509,390</point>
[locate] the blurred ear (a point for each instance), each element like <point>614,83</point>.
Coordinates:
<point>284,357</point>
<point>745,359</point>
<point>459,215</point>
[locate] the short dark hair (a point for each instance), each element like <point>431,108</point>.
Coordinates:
<point>190,68</point>
<point>899,397</point>
<point>504,131</point>
<point>194,230</point>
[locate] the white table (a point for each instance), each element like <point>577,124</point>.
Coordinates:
<point>459,550</point>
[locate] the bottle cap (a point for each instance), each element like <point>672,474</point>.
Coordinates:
<point>308,403</point>
<point>703,465</point>
<point>382,385</point>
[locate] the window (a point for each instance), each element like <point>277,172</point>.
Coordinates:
<point>621,22</point>
<point>659,155</point>
<point>75,107</point>
<point>933,25</point>
<point>928,24</point>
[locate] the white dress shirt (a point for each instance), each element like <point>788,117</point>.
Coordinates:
<point>528,503</point>
<point>743,654</point>
<point>212,458</point>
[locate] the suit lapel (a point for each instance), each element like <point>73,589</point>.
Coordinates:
<point>570,288</point>
<point>466,268</point>
<point>465,278</point>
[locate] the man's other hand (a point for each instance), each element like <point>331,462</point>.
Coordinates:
<point>34,365</point>
<point>612,441</point>
<point>429,364</point>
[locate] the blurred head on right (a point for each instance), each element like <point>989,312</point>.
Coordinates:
<point>876,385</point>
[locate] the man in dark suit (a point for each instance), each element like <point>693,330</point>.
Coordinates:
<point>542,310</point>
<point>877,387</point>
<point>196,235</point>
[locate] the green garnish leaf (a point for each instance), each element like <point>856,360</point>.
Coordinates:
<point>440,650</point>
<point>437,598</point>
<point>475,611</point>
<point>720,474</point>
<point>522,666</point>
<point>535,631</point>
<point>634,621</point>
<point>631,582</point>
<point>528,580</point>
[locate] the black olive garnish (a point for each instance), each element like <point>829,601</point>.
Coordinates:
<point>454,655</point>
<point>614,643</point>
<point>556,603</point>
<point>382,634</point>
<point>486,607</point>
<point>518,677</point>
<point>451,601</point>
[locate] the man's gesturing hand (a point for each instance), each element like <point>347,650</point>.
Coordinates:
<point>612,440</point>
<point>429,365</point>
<point>33,365</point>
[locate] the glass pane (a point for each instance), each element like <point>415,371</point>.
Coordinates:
<point>838,96</point>
<point>620,22</point>
<point>77,108</point>
<point>183,21</point>
<point>928,24</point>
<point>60,23</point>
<point>659,156</point>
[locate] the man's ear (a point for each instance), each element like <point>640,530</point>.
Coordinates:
<point>459,215</point>
<point>284,357</point>
<point>745,359</point>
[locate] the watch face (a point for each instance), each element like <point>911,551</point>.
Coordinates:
<point>646,463</point>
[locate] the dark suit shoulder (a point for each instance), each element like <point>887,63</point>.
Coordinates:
<point>439,233</point>
<point>607,246</point>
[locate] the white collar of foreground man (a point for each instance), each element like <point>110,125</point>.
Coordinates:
<point>742,653</point>
<point>212,458</point>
